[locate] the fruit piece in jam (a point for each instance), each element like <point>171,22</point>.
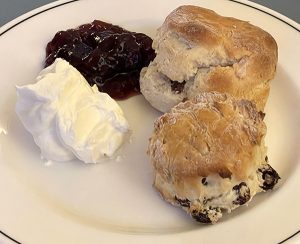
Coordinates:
<point>105,54</point>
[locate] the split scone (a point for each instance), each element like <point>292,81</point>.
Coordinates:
<point>198,50</point>
<point>209,155</point>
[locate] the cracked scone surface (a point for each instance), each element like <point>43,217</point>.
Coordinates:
<point>209,156</point>
<point>208,52</point>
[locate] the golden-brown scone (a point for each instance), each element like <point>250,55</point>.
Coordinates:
<point>209,155</point>
<point>199,50</point>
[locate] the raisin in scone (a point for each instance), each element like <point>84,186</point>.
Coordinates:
<point>209,155</point>
<point>199,50</point>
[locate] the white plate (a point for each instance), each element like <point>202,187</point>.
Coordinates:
<point>115,202</point>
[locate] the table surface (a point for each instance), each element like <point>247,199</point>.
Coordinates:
<point>10,9</point>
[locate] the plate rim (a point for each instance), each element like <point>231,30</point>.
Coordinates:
<point>44,8</point>
<point>22,18</point>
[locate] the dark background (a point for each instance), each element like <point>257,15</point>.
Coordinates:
<point>10,9</point>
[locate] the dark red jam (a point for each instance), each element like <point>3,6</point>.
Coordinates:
<point>105,54</point>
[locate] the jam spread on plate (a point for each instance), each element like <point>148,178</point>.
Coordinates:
<point>105,54</point>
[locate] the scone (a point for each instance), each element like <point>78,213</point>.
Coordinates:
<point>209,156</point>
<point>199,50</point>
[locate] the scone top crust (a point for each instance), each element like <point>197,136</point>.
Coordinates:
<point>210,134</point>
<point>226,41</point>
<point>206,27</point>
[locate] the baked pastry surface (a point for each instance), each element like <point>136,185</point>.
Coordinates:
<point>209,156</point>
<point>199,50</point>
